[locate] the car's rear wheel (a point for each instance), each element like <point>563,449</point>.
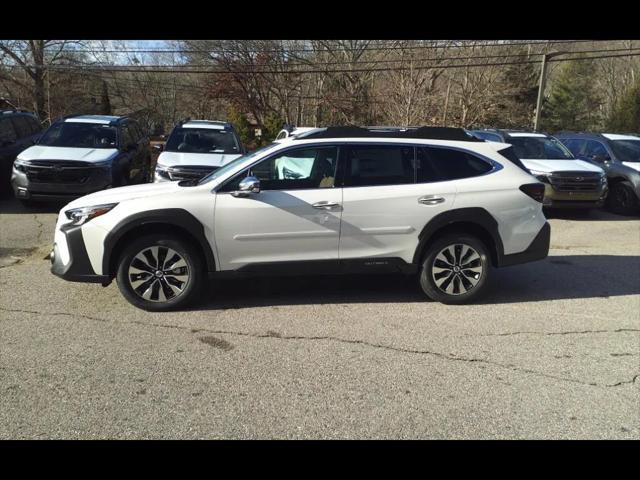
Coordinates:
<point>455,269</point>
<point>159,273</point>
<point>622,199</point>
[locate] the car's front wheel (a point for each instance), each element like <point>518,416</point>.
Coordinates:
<point>622,199</point>
<point>455,269</point>
<point>160,272</point>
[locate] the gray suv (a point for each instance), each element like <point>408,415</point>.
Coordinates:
<point>18,130</point>
<point>619,156</point>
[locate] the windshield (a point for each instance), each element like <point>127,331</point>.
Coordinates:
<point>233,163</point>
<point>202,140</point>
<point>539,148</point>
<point>80,135</point>
<point>626,150</point>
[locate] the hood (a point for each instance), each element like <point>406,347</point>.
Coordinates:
<point>634,165</point>
<point>121,194</point>
<point>42,152</point>
<point>170,159</point>
<point>550,166</point>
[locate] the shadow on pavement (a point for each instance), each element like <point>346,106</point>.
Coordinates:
<point>587,215</point>
<point>13,205</point>
<point>555,278</point>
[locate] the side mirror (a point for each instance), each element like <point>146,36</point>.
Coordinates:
<point>158,148</point>
<point>601,158</point>
<point>246,187</point>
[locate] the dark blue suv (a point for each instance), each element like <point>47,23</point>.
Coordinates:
<point>619,156</point>
<point>18,130</point>
<point>79,155</point>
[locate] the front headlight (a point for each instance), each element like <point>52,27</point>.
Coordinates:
<point>162,172</point>
<point>20,165</point>
<point>542,176</point>
<point>82,215</point>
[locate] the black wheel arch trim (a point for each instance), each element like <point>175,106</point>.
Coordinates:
<point>475,215</point>
<point>537,250</point>
<point>176,217</point>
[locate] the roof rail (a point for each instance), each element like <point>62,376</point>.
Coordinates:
<point>429,133</point>
<point>15,110</point>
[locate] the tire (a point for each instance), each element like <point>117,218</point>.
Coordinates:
<point>154,290</point>
<point>622,199</point>
<point>455,285</point>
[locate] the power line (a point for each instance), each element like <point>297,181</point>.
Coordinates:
<point>209,70</point>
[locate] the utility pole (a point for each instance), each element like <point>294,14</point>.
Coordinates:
<point>543,81</point>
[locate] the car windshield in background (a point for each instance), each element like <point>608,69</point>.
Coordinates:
<point>626,150</point>
<point>202,140</point>
<point>80,135</point>
<point>232,164</point>
<point>540,148</point>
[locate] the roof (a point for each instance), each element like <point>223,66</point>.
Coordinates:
<point>212,124</point>
<point>16,112</point>
<point>526,134</point>
<point>102,119</point>
<point>429,133</point>
<point>616,136</point>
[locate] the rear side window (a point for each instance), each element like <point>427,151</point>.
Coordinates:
<point>7,132</point>
<point>372,165</point>
<point>35,125</point>
<point>441,164</point>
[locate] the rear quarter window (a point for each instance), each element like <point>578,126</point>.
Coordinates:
<point>435,164</point>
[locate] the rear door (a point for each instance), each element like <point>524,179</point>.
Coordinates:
<point>385,207</point>
<point>294,219</point>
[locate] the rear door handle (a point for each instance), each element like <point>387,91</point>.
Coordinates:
<point>325,205</point>
<point>430,200</point>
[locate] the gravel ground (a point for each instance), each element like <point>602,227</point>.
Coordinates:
<point>552,352</point>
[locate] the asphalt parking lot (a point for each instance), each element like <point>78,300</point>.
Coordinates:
<point>553,351</point>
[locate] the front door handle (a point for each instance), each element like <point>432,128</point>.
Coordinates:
<point>325,205</point>
<point>430,200</point>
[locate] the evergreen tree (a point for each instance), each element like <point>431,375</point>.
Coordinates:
<point>574,101</point>
<point>242,126</point>
<point>625,116</point>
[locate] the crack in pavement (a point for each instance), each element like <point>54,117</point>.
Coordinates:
<point>574,332</point>
<point>40,229</point>
<point>445,356</point>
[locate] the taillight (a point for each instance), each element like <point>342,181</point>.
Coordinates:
<point>534,190</point>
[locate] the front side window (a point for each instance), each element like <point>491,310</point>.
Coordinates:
<point>7,132</point>
<point>491,137</point>
<point>574,145</point>
<point>596,149</point>
<point>436,164</point>
<point>80,135</point>
<point>202,140</point>
<point>373,165</point>
<point>626,150</point>
<point>539,148</point>
<point>22,127</point>
<point>299,169</point>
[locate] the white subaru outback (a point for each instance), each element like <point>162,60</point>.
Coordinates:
<point>430,201</point>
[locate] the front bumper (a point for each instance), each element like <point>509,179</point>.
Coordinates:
<point>558,199</point>
<point>26,189</point>
<point>78,267</point>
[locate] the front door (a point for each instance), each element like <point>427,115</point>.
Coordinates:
<point>295,218</point>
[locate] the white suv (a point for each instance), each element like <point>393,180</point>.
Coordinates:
<point>432,201</point>
<point>195,148</point>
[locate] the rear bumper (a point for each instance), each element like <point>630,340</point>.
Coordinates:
<point>537,250</point>
<point>78,268</point>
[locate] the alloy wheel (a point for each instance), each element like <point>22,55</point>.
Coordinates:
<point>158,274</point>
<point>457,269</point>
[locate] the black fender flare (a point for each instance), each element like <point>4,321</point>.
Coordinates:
<point>177,217</point>
<point>476,215</point>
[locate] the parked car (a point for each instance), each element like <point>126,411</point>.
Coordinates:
<point>619,156</point>
<point>78,155</point>
<point>433,201</point>
<point>19,129</point>
<point>196,148</point>
<point>569,182</point>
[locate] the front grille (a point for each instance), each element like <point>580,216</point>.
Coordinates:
<point>189,172</point>
<point>576,181</point>
<point>43,171</point>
